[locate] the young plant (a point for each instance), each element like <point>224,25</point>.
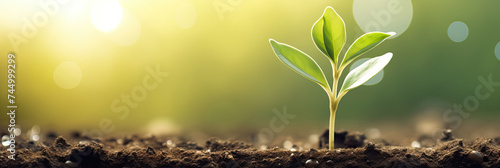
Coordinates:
<point>329,35</point>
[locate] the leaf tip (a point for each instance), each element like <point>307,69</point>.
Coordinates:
<point>329,7</point>
<point>389,54</point>
<point>272,42</point>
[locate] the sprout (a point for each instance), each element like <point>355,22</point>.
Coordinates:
<point>328,33</point>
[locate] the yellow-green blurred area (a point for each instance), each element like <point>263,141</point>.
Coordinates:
<point>78,61</point>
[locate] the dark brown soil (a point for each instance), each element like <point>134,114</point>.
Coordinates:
<point>150,151</point>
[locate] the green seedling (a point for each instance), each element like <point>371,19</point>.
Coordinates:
<point>329,35</point>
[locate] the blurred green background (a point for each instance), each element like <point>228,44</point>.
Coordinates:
<point>222,74</point>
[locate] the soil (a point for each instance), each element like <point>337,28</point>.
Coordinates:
<point>352,150</point>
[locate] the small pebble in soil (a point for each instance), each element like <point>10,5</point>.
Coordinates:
<point>71,164</point>
<point>476,157</point>
<point>310,163</point>
<point>329,163</point>
<point>84,142</point>
<point>119,141</point>
<point>170,144</point>
<point>5,140</point>
<point>415,144</point>
<point>263,147</point>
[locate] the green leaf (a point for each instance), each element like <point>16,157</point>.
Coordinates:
<point>364,44</point>
<point>299,62</point>
<point>365,72</point>
<point>328,34</point>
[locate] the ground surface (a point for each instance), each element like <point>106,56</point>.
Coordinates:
<point>150,151</point>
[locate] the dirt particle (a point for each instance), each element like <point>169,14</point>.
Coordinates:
<point>150,151</point>
<point>476,157</point>
<point>70,163</point>
<point>60,142</point>
<point>370,147</point>
<point>311,163</point>
<point>219,145</point>
<point>447,136</point>
<point>329,162</point>
<point>312,151</point>
<point>415,144</point>
<point>343,139</point>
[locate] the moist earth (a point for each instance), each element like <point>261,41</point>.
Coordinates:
<point>352,150</point>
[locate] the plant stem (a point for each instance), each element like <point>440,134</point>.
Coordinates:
<point>333,111</point>
<point>334,104</point>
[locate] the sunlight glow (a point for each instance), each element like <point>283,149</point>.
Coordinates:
<point>128,32</point>
<point>185,16</point>
<point>106,15</point>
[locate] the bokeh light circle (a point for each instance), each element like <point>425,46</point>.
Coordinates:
<point>383,15</point>
<point>186,15</point>
<point>68,75</point>
<point>497,50</point>
<point>376,79</point>
<point>106,14</point>
<point>127,32</point>
<point>458,31</point>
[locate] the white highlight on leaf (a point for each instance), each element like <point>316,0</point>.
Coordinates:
<point>365,71</point>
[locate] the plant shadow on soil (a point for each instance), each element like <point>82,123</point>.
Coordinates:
<point>352,150</point>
